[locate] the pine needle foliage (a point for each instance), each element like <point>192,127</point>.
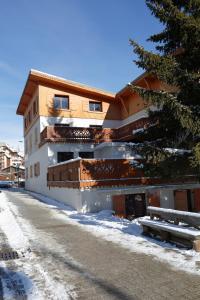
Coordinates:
<point>176,62</point>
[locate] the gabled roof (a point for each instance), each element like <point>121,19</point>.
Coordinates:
<point>136,81</point>
<point>36,77</point>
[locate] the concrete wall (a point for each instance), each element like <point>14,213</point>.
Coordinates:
<point>167,198</point>
<point>94,201</point>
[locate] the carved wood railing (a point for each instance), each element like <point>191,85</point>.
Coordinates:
<point>77,134</point>
<point>88,173</point>
<point>90,135</point>
<point>92,173</point>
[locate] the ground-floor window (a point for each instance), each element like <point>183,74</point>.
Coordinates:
<point>63,156</point>
<point>86,154</point>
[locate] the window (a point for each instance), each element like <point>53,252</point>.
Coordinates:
<point>95,106</point>
<point>37,169</point>
<point>63,156</point>
<point>36,136</point>
<point>61,102</point>
<point>30,144</point>
<point>31,171</point>
<point>35,107</point>
<point>96,126</point>
<point>61,125</point>
<point>86,154</point>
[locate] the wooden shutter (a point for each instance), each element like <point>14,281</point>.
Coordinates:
<point>196,200</point>
<point>118,202</point>
<point>181,200</point>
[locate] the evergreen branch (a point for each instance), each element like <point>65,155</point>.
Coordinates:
<point>181,112</point>
<point>163,67</point>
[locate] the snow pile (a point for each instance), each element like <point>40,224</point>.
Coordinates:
<point>9,226</point>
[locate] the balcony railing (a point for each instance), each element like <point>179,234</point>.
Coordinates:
<point>92,173</point>
<point>90,135</point>
<point>77,134</point>
<point>87,173</point>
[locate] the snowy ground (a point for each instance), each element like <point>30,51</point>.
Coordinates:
<point>28,278</point>
<point>128,234</point>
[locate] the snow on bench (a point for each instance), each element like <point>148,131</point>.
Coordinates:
<point>190,218</point>
<point>171,232</point>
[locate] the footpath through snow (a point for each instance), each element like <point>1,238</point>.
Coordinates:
<point>125,233</point>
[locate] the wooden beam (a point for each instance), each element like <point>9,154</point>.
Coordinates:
<point>124,106</point>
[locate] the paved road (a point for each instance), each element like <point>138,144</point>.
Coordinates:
<point>97,269</point>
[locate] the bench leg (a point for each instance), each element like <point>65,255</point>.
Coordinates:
<point>164,236</point>
<point>145,229</point>
<point>196,245</point>
<point>176,222</point>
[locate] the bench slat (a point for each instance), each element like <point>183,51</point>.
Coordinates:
<point>192,219</point>
<point>187,233</point>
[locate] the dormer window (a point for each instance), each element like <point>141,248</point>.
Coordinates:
<point>95,106</point>
<point>61,102</point>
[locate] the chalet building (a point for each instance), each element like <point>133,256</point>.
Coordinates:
<point>14,173</point>
<point>78,147</point>
<point>9,157</point>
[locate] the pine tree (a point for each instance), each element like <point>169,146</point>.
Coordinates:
<point>176,61</point>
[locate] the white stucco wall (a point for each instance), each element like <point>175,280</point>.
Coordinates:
<point>94,200</point>
<point>114,150</point>
<point>53,149</point>
<point>77,122</point>
<point>39,183</point>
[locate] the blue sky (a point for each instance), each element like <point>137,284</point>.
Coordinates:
<point>82,40</point>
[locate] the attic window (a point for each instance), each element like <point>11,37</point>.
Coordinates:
<point>95,106</point>
<point>61,102</point>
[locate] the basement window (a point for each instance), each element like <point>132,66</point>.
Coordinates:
<point>61,102</point>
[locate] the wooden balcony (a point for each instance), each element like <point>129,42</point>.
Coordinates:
<point>92,173</point>
<point>62,134</point>
<point>88,173</point>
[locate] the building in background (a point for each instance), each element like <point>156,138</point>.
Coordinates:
<point>78,147</point>
<point>11,163</point>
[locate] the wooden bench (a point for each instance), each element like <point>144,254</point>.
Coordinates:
<point>176,216</point>
<point>172,233</point>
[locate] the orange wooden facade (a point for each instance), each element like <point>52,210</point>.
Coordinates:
<point>37,99</point>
